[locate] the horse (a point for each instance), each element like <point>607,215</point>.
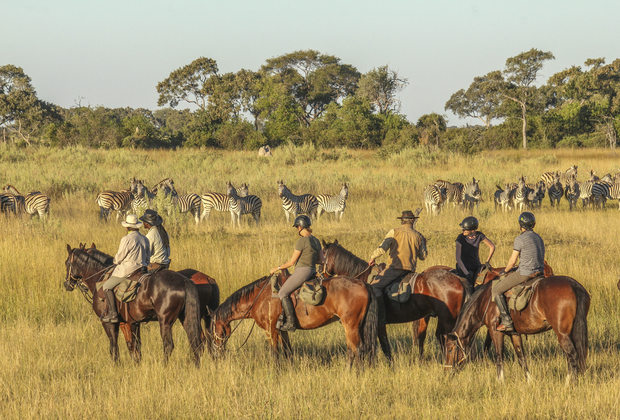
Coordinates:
<point>558,302</point>
<point>208,294</point>
<point>436,292</point>
<point>347,300</point>
<point>164,295</point>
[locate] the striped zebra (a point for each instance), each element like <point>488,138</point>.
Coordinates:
<point>593,176</point>
<point>5,205</point>
<point>549,177</point>
<point>142,196</point>
<point>536,194</point>
<point>243,190</point>
<point>585,192</point>
<point>454,191</point>
<point>11,203</point>
<point>601,192</point>
<point>433,199</point>
<point>555,190</point>
<point>505,198</point>
<point>188,203</point>
<point>333,203</point>
<point>218,201</point>
<point>572,193</point>
<point>34,203</point>
<point>294,205</point>
<point>614,192</point>
<point>243,205</point>
<point>521,194</point>
<point>118,201</point>
<point>471,194</point>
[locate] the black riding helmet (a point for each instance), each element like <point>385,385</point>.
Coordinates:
<point>527,220</point>
<point>302,221</point>
<point>469,223</point>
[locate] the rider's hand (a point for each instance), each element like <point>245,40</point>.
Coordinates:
<point>371,262</point>
<point>501,273</point>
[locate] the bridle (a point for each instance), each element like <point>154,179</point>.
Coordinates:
<point>79,281</point>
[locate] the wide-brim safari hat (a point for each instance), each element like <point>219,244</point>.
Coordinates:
<point>132,222</point>
<point>408,215</point>
<point>152,218</point>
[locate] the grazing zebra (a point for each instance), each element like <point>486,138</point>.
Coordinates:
<point>12,203</point>
<point>472,194</point>
<point>555,190</point>
<point>572,192</point>
<point>109,201</point>
<point>5,205</point>
<point>243,205</point>
<point>333,203</point>
<point>433,199</point>
<point>453,191</point>
<point>34,203</point>
<point>188,203</point>
<point>521,194</point>
<point>294,205</point>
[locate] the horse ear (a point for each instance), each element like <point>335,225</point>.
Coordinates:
<point>335,241</point>
<point>82,246</point>
<point>323,243</point>
<point>69,248</point>
<point>92,246</point>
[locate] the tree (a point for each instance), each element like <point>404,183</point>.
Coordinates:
<point>380,87</point>
<point>431,126</point>
<point>312,80</point>
<point>481,100</point>
<point>190,84</point>
<point>520,73</point>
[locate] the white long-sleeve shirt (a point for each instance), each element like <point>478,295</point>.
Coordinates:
<point>133,253</point>
<point>159,253</point>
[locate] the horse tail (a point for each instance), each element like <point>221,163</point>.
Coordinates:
<point>580,325</point>
<point>191,322</point>
<point>368,329</point>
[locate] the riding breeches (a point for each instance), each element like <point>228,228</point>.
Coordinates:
<point>385,278</point>
<point>507,283</point>
<point>294,282</point>
<point>112,282</point>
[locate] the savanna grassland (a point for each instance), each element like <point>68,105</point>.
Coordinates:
<point>54,354</point>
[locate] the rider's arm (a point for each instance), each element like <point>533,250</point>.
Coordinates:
<point>122,251</point>
<point>458,259</point>
<point>512,261</point>
<point>289,263</point>
<point>384,247</point>
<point>491,246</point>
<point>422,251</point>
<point>321,257</point>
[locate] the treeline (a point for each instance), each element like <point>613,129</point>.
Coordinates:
<point>309,97</point>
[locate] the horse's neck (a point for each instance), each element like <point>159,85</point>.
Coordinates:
<point>475,318</point>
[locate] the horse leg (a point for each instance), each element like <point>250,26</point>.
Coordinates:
<point>165,329</point>
<point>385,343</point>
<point>498,341</point>
<point>112,331</point>
<point>272,337</point>
<point>418,330</point>
<point>354,341</point>
<point>487,343</point>
<point>572,356</point>
<point>517,343</point>
<point>286,345</point>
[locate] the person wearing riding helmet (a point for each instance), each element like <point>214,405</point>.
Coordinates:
<point>306,255</point>
<point>467,246</point>
<point>530,249</point>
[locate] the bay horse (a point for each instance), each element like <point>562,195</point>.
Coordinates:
<point>558,302</point>
<point>347,300</point>
<point>163,296</point>
<point>437,292</point>
<point>208,294</point>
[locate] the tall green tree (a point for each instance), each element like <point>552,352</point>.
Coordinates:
<point>380,86</point>
<point>520,74</point>
<point>481,100</point>
<point>312,81</point>
<point>191,83</point>
<point>431,126</point>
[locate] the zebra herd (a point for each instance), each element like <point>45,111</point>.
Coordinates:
<point>441,192</point>
<point>236,201</point>
<point>33,203</point>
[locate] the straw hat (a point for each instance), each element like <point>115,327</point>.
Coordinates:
<point>132,222</point>
<point>408,214</point>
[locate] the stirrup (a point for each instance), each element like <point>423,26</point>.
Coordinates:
<point>110,319</point>
<point>505,329</point>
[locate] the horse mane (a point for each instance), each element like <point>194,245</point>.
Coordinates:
<point>87,261</point>
<point>225,310</point>
<point>100,256</point>
<point>471,306</point>
<point>345,261</point>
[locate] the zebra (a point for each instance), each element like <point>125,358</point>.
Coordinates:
<point>521,194</point>
<point>243,190</point>
<point>243,205</point>
<point>119,201</point>
<point>600,191</point>
<point>188,203</point>
<point>536,194</point>
<point>142,196</point>
<point>472,194</point>
<point>555,190</point>
<point>549,177</point>
<point>614,192</point>
<point>585,192</point>
<point>593,176</point>
<point>12,203</point>
<point>5,205</point>
<point>506,196</point>
<point>453,191</point>
<point>297,204</point>
<point>572,192</point>
<point>433,199</point>
<point>218,201</point>
<point>34,203</point>
<point>333,203</point>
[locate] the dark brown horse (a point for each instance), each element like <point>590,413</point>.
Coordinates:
<point>437,292</point>
<point>558,302</point>
<point>163,296</point>
<point>208,294</point>
<point>347,300</point>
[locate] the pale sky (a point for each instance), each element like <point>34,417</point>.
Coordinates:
<point>113,53</point>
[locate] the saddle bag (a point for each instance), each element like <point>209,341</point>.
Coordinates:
<point>312,292</point>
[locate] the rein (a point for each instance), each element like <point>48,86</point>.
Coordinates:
<point>80,282</point>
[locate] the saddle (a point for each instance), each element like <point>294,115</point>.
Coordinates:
<point>519,296</point>
<point>128,289</point>
<point>401,289</point>
<point>312,292</point>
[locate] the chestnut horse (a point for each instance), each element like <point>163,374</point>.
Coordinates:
<point>558,302</point>
<point>347,300</point>
<point>208,294</point>
<point>163,296</point>
<point>437,292</point>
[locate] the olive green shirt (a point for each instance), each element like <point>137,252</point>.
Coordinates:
<point>310,247</point>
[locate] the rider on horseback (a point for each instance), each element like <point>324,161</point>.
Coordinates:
<point>404,246</point>
<point>307,254</point>
<point>529,247</point>
<point>133,253</point>
<point>159,243</point>
<point>467,246</point>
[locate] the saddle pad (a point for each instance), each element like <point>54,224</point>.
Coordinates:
<point>201,278</point>
<point>400,291</point>
<point>519,296</point>
<point>126,291</point>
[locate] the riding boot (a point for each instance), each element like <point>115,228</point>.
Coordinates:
<point>111,315</point>
<point>381,315</point>
<point>506,325</point>
<point>289,311</point>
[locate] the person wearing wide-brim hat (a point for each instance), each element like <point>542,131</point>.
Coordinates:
<point>159,242</point>
<point>133,254</point>
<point>404,246</point>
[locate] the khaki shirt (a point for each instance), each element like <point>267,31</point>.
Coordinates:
<point>133,253</point>
<point>404,246</point>
<point>159,254</point>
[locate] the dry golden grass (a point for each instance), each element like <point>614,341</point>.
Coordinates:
<point>54,354</point>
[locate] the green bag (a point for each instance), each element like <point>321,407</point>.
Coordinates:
<point>312,293</point>
<point>520,297</point>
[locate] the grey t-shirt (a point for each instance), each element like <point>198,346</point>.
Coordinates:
<point>532,253</point>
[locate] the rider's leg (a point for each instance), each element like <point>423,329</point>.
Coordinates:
<point>108,287</point>
<point>497,293</point>
<point>291,284</point>
<point>381,281</point>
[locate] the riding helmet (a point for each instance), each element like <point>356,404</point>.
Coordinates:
<point>469,223</point>
<point>527,220</point>
<point>302,221</point>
